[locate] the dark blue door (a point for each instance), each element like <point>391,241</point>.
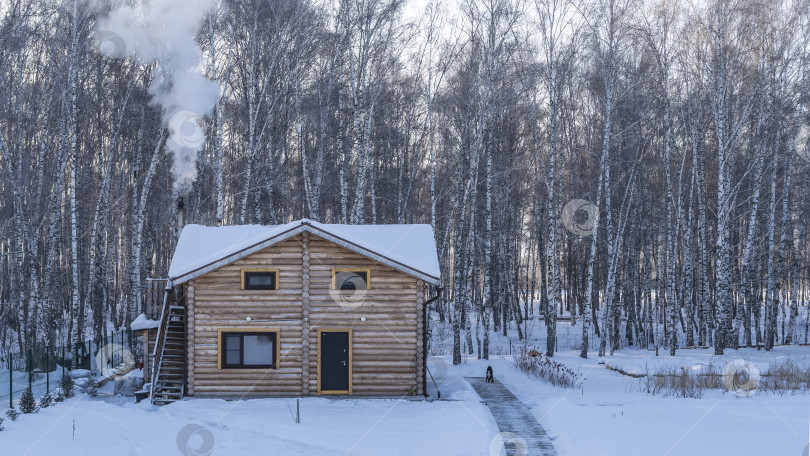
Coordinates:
<point>334,361</point>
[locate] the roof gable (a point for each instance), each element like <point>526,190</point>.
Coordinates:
<point>408,248</point>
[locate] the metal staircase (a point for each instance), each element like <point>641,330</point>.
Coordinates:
<point>169,374</point>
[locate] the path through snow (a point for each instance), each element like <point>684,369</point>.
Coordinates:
<point>521,434</point>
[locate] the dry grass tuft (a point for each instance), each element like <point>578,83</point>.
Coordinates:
<point>537,365</point>
<point>785,376</point>
<point>781,377</point>
<point>671,381</point>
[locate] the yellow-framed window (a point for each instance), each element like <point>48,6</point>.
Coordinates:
<point>248,348</point>
<point>260,279</point>
<point>351,279</point>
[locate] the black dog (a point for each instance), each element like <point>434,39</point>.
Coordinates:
<point>490,377</point>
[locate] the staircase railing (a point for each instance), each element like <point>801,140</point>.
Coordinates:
<point>160,341</point>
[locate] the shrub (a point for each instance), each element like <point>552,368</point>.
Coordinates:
<point>679,381</point>
<point>66,383</point>
<point>46,401</point>
<point>785,376</point>
<point>12,414</point>
<point>671,381</point>
<point>535,364</point>
<point>782,377</point>
<point>1,423</point>
<point>27,402</point>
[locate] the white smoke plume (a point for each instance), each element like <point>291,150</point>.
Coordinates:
<point>163,31</point>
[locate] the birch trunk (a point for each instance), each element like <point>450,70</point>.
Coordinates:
<point>140,210</point>
<point>770,293</point>
<point>76,306</point>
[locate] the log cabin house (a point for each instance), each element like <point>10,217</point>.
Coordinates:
<point>293,310</point>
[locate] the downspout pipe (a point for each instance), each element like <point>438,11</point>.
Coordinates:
<point>425,345</point>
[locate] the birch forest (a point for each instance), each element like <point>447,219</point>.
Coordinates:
<point>637,169</point>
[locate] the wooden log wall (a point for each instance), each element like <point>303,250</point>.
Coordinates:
<point>420,333</point>
<point>305,326</point>
<point>190,337</point>
<point>386,352</point>
<point>220,303</point>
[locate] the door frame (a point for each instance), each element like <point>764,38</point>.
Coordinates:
<point>339,330</point>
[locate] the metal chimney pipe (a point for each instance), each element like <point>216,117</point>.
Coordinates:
<point>181,215</point>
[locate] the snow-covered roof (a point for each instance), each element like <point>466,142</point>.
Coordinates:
<point>408,248</point>
<point>142,323</point>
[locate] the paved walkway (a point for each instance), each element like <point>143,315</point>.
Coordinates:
<point>522,434</point>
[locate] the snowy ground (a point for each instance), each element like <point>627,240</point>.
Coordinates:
<point>609,415</point>
<point>115,425</point>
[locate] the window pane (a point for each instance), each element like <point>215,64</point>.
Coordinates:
<point>260,280</point>
<point>351,280</point>
<point>232,349</point>
<point>259,349</point>
<point>232,357</point>
<point>232,342</point>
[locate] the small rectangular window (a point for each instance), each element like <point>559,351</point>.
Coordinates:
<point>260,279</point>
<point>346,279</point>
<point>249,349</point>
